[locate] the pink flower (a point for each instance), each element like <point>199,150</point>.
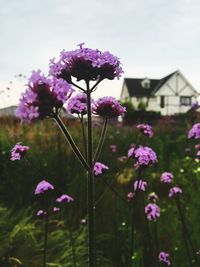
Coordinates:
<point>152,197</point>
<point>86,64</point>
<point>108,107</point>
<point>55,209</point>
<point>145,156</point>
<point>194,132</point>
<point>41,213</point>
<point>130,196</point>
<point>145,129</point>
<point>166,177</point>
<point>42,187</point>
<point>43,97</point>
<point>140,185</point>
<point>18,152</point>
<point>174,191</point>
<point>164,257</point>
<point>99,168</point>
<point>152,211</point>
<point>64,198</point>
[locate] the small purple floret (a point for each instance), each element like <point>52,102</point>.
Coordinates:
<point>99,168</point>
<point>166,177</point>
<point>194,132</point>
<point>55,209</point>
<point>164,257</point>
<point>145,156</point>
<point>153,197</point>
<point>140,185</point>
<point>77,104</point>
<point>174,191</point>
<point>108,107</point>
<point>64,198</point>
<point>41,213</point>
<point>152,211</point>
<point>18,152</point>
<point>145,129</point>
<point>42,187</point>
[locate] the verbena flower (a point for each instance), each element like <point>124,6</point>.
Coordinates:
<point>140,185</point>
<point>174,191</point>
<point>64,198</point>
<point>152,197</point>
<point>152,211</point>
<point>194,132</point>
<point>99,168</point>
<point>108,107</point>
<point>42,187</point>
<point>55,209</point>
<point>18,151</point>
<point>42,98</point>
<point>77,104</point>
<point>166,177</point>
<point>113,148</point>
<point>164,258</point>
<point>145,129</point>
<point>41,213</point>
<point>130,196</point>
<point>86,64</point>
<point>145,156</point>
<point>122,158</point>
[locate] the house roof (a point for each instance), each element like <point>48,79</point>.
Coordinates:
<point>135,88</point>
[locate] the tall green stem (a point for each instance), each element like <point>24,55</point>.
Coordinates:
<point>101,141</point>
<point>90,183</point>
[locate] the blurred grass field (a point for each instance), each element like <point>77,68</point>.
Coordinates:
<point>50,158</point>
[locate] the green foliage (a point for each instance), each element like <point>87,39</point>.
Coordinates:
<point>50,158</point>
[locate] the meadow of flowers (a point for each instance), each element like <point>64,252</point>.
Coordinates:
<point>88,192</point>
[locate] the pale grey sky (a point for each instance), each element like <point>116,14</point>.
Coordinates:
<point>151,37</point>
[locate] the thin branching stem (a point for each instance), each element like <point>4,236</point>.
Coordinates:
<point>71,142</point>
<point>90,183</point>
<point>83,134</point>
<point>101,141</point>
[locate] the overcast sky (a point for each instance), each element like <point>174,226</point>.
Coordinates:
<point>151,37</point>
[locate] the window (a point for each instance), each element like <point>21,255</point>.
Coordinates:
<point>162,101</point>
<point>185,100</point>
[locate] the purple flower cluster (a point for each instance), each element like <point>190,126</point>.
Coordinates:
<point>145,156</point>
<point>140,185</point>
<point>108,107</point>
<point>152,211</point>
<point>77,104</point>
<point>164,258</point>
<point>153,197</point>
<point>18,152</point>
<point>86,64</point>
<point>194,132</point>
<point>166,177</point>
<point>42,98</point>
<point>130,196</point>
<point>42,187</point>
<point>64,198</point>
<point>145,129</point>
<point>99,168</point>
<point>174,191</point>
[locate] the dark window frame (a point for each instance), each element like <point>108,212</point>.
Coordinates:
<point>185,100</point>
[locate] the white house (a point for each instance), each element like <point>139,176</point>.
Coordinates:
<point>169,95</point>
